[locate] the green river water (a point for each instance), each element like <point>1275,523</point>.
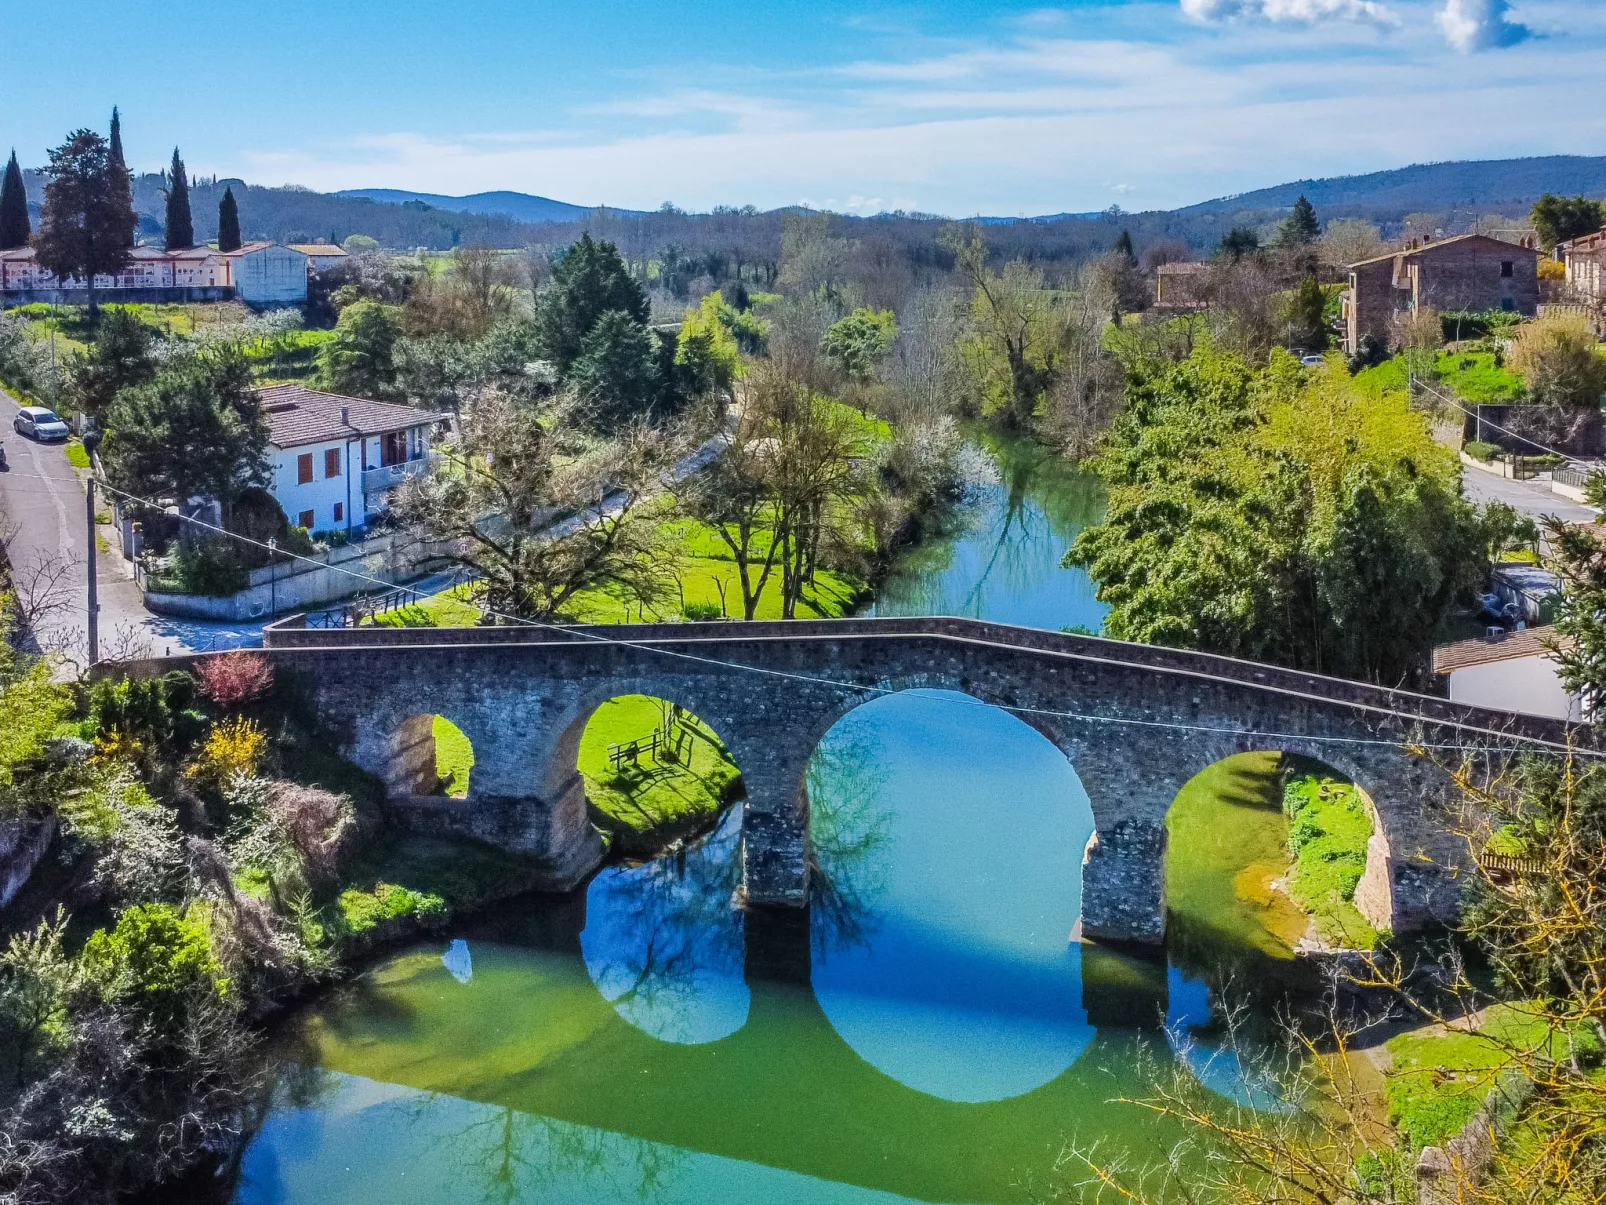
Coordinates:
<point>928,1030</point>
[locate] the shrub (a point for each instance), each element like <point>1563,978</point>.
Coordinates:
<point>297,835</point>
<point>155,960</point>
<point>702,610</point>
<point>232,747</point>
<point>1479,450</point>
<point>210,567</point>
<point>1557,357</point>
<point>234,679</point>
<point>149,712</point>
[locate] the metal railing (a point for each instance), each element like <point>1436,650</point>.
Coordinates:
<point>1574,475</point>
<point>390,475</point>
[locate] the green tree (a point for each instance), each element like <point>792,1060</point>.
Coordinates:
<point>1238,242</point>
<point>1123,247</point>
<point>860,341</point>
<point>1307,320</point>
<point>589,280</point>
<point>1557,357</point>
<point>1300,228</point>
<point>616,376</point>
<point>360,361</point>
<point>87,224</point>
<point>195,430</point>
<point>180,228</point>
<point>228,222</point>
<point>1557,219</point>
<point>121,356</point>
<point>707,350</point>
<point>1281,518</point>
<point>14,225</point>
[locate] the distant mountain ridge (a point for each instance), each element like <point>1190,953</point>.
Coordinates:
<point>520,206</point>
<point>1427,186</point>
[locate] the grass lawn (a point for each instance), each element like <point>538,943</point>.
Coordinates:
<point>647,804</point>
<point>1440,1078</point>
<point>706,571</point>
<point>454,757</point>
<point>76,456</point>
<point>1328,830</point>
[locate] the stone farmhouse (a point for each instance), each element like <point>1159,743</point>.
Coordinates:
<point>257,273</point>
<point>1181,286</point>
<point>1466,272</point>
<point>335,459</point>
<point>1586,266</point>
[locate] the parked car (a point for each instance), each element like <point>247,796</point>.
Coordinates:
<point>1312,361</point>
<point>40,423</point>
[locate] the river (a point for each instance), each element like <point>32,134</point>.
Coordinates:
<point>929,1030</point>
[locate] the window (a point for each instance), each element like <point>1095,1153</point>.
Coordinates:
<point>305,520</point>
<point>340,512</point>
<point>1507,268</point>
<point>331,462</point>
<point>304,470</point>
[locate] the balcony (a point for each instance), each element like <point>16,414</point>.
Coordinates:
<point>376,481</point>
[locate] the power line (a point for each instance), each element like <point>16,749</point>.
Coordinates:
<point>862,688</point>
<point>1491,423</point>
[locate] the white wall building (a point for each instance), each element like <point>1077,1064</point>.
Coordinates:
<point>1516,672</point>
<point>335,459</point>
<point>259,273</point>
<point>268,274</point>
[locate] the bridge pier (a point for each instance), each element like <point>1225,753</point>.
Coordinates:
<point>1123,883</point>
<point>775,868</point>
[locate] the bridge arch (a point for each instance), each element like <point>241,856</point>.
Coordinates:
<point>429,756</point>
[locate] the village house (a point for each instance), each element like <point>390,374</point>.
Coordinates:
<point>335,459</point>
<point>257,273</point>
<point>1514,671</point>
<point>1181,286</point>
<point>321,256</point>
<point>1466,272</point>
<point>1586,266</point>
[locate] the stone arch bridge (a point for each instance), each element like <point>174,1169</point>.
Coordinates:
<point>1136,722</point>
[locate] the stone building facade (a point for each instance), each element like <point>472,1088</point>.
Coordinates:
<point>1467,272</point>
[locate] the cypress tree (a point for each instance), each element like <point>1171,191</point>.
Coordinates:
<point>14,225</point>
<point>228,222</point>
<point>117,140</point>
<point>180,229</point>
<point>1123,247</point>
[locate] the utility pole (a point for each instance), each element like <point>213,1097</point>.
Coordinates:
<point>94,603</point>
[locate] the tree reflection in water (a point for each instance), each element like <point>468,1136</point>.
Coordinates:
<point>849,829</point>
<point>663,941</point>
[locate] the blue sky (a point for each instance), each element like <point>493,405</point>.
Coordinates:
<point>957,107</point>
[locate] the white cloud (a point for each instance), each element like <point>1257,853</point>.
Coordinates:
<point>1305,12</point>
<point>1480,25</point>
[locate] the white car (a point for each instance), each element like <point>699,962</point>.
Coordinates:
<point>40,423</point>
<point>1312,361</point>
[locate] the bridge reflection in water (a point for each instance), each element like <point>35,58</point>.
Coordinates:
<point>928,1030</point>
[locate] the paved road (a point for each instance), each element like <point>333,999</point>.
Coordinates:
<point>1530,497</point>
<point>42,503</point>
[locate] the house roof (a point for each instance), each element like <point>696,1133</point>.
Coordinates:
<point>1531,642</point>
<point>248,248</point>
<point>318,248</point>
<point>298,415</point>
<point>1446,242</point>
<point>1182,268</point>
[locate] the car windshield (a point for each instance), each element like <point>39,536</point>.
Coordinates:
<point>45,416</point>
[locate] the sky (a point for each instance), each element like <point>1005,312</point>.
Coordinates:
<point>956,107</point>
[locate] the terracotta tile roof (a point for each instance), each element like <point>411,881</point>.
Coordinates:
<point>1532,642</point>
<point>298,415</point>
<point>317,248</point>
<point>1445,242</point>
<point>247,248</point>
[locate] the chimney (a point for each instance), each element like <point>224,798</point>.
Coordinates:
<point>345,416</point>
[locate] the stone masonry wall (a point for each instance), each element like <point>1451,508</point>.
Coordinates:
<point>1137,722</point>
